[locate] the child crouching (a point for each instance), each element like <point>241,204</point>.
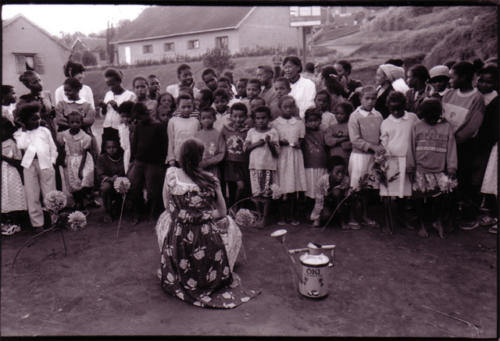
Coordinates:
<point>331,189</point>
<point>109,166</point>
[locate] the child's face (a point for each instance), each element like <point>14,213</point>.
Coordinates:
<point>340,70</point>
<point>313,123</point>
<point>112,82</point>
<point>220,104</point>
<point>207,119</point>
<point>75,123</point>
<point>368,100</point>
<point>321,102</point>
<point>154,85</point>
<point>396,109</point>
<point>341,115</point>
<point>185,107</point>
<point>141,89</point>
<point>224,86</point>
<point>254,104</point>
<point>486,83</point>
<point>439,83</point>
<point>71,93</point>
<point>261,120</point>
<point>238,117</point>
<point>166,102</point>
<point>210,81</point>
<point>288,108</point>
<point>338,173</point>
<point>186,77</point>
<point>241,89</point>
<point>33,121</point>
<point>252,90</point>
<point>111,148</point>
<point>411,80</point>
<point>281,89</point>
<point>456,80</point>
<point>162,115</point>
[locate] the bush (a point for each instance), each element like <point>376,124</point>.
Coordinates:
<point>88,58</point>
<point>218,59</point>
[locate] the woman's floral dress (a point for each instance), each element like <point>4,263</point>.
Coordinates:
<point>194,262</point>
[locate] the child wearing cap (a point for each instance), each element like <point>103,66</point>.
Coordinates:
<point>439,78</point>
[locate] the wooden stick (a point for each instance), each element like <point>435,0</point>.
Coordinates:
<point>124,196</point>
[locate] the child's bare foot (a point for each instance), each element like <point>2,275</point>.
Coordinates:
<point>439,228</point>
<point>423,232</point>
<point>259,224</point>
<point>316,223</point>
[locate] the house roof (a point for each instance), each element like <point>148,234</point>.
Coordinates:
<point>8,22</point>
<point>91,43</point>
<point>168,21</point>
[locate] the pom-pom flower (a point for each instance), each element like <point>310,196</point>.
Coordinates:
<point>76,221</point>
<point>245,217</point>
<point>122,185</point>
<point>276,193</point>
<point>55,201</point>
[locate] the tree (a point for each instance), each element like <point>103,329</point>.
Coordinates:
<point>88,58</point>
<point>218,59</point>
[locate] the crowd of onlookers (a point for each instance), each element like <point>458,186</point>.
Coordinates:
<point>307,141</point>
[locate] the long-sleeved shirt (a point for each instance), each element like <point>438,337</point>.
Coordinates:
<point>112,118</point>
<point>37,143</point>
<point>364,129</point>
<point>395,133</point>
<point>432,148</point>
<point>149,143</point>
<point>337,138</point>
<point>464,111</point>
<point>179,130</point>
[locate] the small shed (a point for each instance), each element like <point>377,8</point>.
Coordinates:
<point>25,43</point>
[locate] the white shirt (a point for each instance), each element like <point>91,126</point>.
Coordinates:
<point>37,142</point>
<point>8,112</point>
<point>303,91</point>
<point>85,94</point>
<point>173,89</point>
<point>112,118</point>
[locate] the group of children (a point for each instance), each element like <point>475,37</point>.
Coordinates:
<point>398,140</point>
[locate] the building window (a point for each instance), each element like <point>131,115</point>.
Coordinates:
<point>193,44</point>
<point>147,49</point>
<point>28,61</point>
<point>222,42</point>
<point>168,47</point>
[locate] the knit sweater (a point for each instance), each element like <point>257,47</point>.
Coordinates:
<point>432,148</point>
<point>364,129</point>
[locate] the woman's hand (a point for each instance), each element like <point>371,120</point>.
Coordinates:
<point>113,104</point>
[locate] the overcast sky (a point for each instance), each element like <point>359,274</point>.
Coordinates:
<point>72,18</point>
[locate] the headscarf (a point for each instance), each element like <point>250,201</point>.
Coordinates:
<point>392,72</point>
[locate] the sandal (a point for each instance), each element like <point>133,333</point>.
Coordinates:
<point>370,223</point>
<point>493,229</point>
<point>9,230</point>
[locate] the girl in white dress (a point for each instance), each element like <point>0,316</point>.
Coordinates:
<point>395,133</point>
<point>291,172</point>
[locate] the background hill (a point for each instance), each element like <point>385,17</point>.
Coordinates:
<point>436,34</point>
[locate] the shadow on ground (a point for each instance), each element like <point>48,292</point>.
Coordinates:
<point>381,285</point>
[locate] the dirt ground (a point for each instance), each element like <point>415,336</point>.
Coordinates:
<point>381,285</point>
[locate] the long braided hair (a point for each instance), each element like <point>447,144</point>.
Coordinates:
<point>191,154</point>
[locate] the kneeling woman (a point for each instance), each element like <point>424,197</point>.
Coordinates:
<point>196,262</point>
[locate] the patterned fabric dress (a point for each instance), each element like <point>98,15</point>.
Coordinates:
<point>75,147</point>
<point>13,198</point>
<point>194,260</point>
